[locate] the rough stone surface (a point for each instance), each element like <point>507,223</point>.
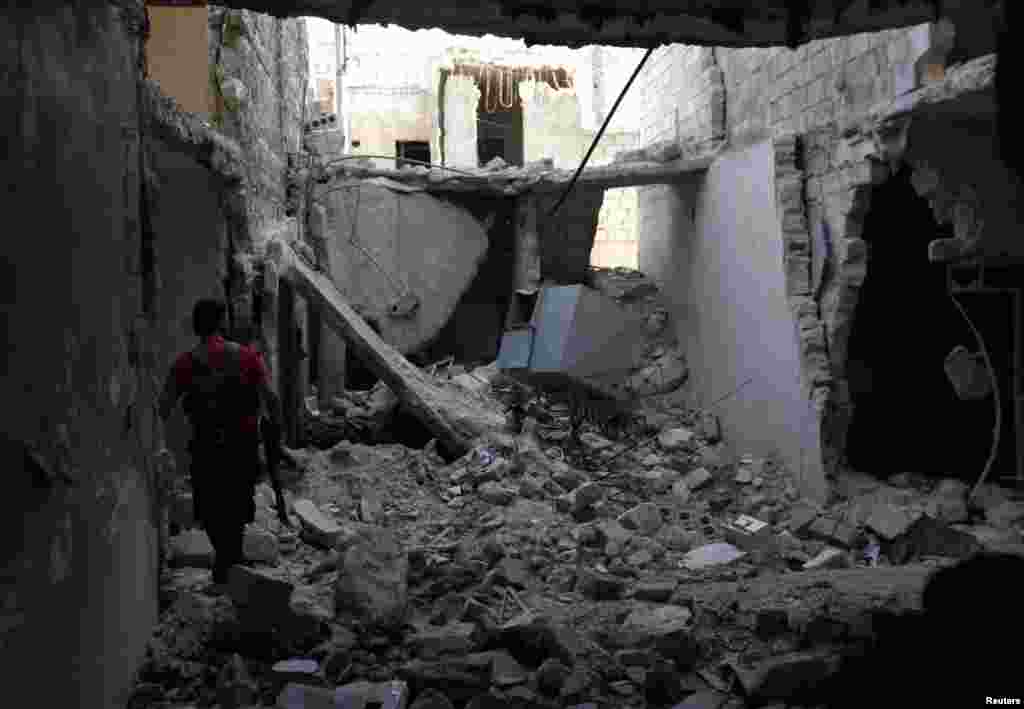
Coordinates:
<point>598,586</point>
<point>316,524</point>
<point>373,579</point>
<point>262,594</point>
<point>675,439</point>
<point>192,548</point>
<point>644,519</point>
<point>262,546</point>
<point>696,478</point>
<point>495,493</point>
<point>647,623</point>
<point>454,638</point>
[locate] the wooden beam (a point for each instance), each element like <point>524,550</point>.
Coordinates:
<point>517,181</point>
<point>451,415</point>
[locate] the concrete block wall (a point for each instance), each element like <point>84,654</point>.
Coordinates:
<point>778,91</point>
<point>269,58</point>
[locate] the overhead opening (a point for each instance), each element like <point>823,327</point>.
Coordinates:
<point>616,240</point>
<point>907,415</point>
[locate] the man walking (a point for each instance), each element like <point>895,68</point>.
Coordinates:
<point>225,387</point>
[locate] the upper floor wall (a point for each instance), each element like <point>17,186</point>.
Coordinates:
<point>747,95</point>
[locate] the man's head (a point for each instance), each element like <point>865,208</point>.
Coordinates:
<point>208,317</point>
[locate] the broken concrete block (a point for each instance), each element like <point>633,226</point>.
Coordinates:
<point>595,442</point>
<point>704,699</point>
<point>373,579</point>
<point>644,519</point>
<point>495,493</point>
<point>674,439</point>
<point>454,638</point>
<point>696,478</point>
<point>834,531</point>
<point>598,586</point>
<point>432,699</point>
<point>262,594</point>
<point>677,539</point>
<point>654,591</point>
<point>581,498</point>
<point>551,676</point>
<point>801,517</point>
<point>748,533</point>
<point>829,558</point>
<point>192,548</point>
<point>948,503</point>
<point>647,623</point>
<point>889,521</point>
<point>321,530</point>
<point>1005,514</point>
<point>785,678</point>
<point>261,546</point>
<point>680,491</point>
<point>929,537</point>
<point>235,686</point>
<point>716,554</point>
<point>506,671</point>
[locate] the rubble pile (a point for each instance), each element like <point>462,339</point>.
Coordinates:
<point>644,568</point>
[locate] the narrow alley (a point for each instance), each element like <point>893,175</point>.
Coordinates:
<point>508,356</point>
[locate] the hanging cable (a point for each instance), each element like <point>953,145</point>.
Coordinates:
<point>997,429</point>
<point>600,132</point>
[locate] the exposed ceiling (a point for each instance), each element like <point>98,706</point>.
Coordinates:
<point>642,23</point>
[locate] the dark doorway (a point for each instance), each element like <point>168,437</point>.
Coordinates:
<point>411,153</point>
<point>499,132</point>
<point>907,417</point>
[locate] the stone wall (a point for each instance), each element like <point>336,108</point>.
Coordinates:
<point>802,101</point>
<point>946,133</point>
<point>259,70</point>
<point>380,117</point>
<point>77,525</point>
<point>261,65</point>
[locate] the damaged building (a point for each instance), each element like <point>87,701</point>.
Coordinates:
<point>822,199</point>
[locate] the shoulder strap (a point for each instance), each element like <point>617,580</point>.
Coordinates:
<point>232,357</point>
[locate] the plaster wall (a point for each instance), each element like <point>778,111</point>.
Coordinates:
<point>192,258</point>
<point>461,98</point>
<point>720,269</point>
<point>416,242</point>
<point>380,117</point>
<point>79,582</point>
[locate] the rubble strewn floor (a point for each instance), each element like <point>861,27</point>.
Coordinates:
<point>641,567</point>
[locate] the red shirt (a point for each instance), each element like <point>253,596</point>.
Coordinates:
<point>253,371</point>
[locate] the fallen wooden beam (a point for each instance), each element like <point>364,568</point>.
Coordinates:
<point>453,417</point>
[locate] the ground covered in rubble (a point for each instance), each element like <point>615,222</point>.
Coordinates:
<point>640,566</point>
